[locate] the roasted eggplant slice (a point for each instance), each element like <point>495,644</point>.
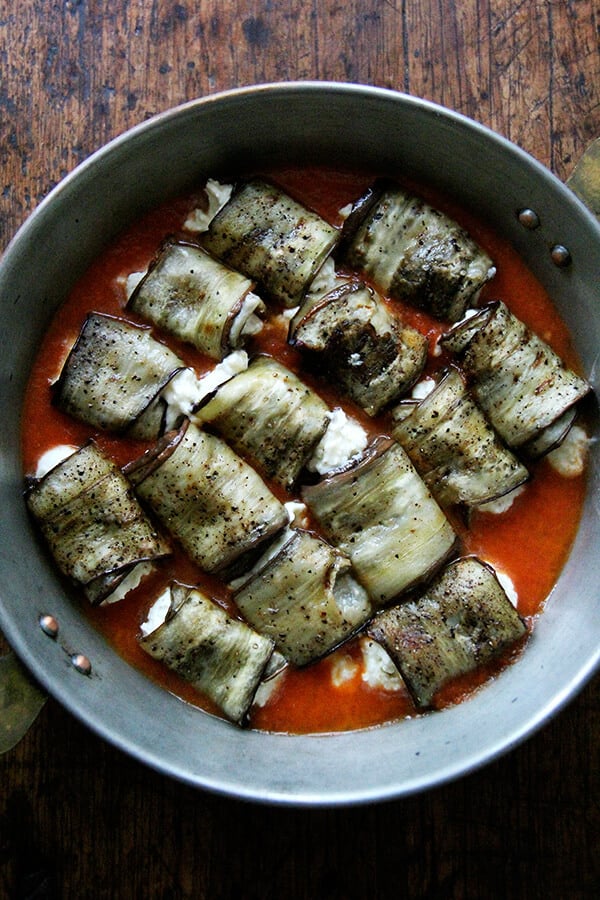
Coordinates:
<point>413,252</point>
<point>212,501</point>
<point>114,375</point>
<point>380,513</point>
<point>521,384</point>
<point>268,416</point>
<point>221,656</point>
<point>351,336</point>
<point>198,299</point>
<point>453,446</point>
<point>462,621</point>
<point>304,598</point>
<point>271,238</point>
<point>92,522</point>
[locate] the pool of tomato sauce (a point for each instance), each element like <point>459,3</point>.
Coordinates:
<point>524,542</point>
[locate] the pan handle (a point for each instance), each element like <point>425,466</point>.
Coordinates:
<point>584,181</point>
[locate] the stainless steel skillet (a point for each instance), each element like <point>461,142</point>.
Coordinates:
<point>248,129</point>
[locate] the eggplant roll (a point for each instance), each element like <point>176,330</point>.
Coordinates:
<point>198,299</point>
<point>366,351</point>
<point>413,252</point>
<point>269,416</point>
<point>113,378</point>
<point>522,385</point>
<point>463,620</point>
<point>92,522</point>
<point>453,446</point>
<point>271,238</point>
<point>212,501</point>
<point>305,598</point>
<point>219,655</point>
<point>381,514</point>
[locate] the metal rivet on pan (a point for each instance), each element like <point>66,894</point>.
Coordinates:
<point>560,255</point>
<point>529,218</point>
<point>81,663</point>
<point>49,625</point>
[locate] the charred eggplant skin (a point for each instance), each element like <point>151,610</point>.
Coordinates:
<point>297,599</point>
<point>414,252</point>
<point>464,619</point>
<point>212,501</point>
<point>93,524</point>
<point>193,296</point>
<point>453,446</point>
<point>381,514</point>
<point>518,380</point>
<point>352,336</point>
<point>219,655</point>
<point>270,237</point>
<point>270,417</point>
<point>113,376</point>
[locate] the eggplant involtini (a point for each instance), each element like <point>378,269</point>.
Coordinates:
<point>271,238</point>
<point>212,501</point>
<point>93,523</point>
<point>381,514</point>
<point>453,446</point>
<point>203,644</point>
<point>304,597</point>
<point>236,446</point>
<point>351,336</point>
<point>522,385</point>
<point>198,299</point>
<point>413,252</point>
<point>464,619</point>
<point>269,416</point>
<point>114,377</point>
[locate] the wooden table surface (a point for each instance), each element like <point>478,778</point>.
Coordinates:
<point>77,817</point>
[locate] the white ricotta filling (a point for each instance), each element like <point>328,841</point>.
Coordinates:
<point>508,587</point>
<point>131,282</point>
<point>469,313</point>
<point>53,457</point>
<point>351,598</point>
<point>423,388</point>
<point>232,365</point>
<point>378,669</point>
<point>185,390</point>
<point>343,669</point>
<point>569,458</point>
<point>181,395</point>
<point>325,280</point>
<point>246,323</point>
<point>297,513</point>
<point>157,613</point>
<point>218,195</point>
<point>270,684</point>
<point>502,504</point>
<point>131,581</point>
<point>344,439</point>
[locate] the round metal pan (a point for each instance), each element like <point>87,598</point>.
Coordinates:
<point>247,129</point>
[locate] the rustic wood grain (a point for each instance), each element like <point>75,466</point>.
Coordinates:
<point>77,817</point>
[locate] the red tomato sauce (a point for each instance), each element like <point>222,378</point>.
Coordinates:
<point>524,542</point>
